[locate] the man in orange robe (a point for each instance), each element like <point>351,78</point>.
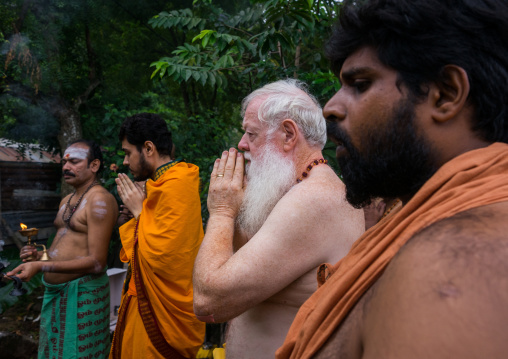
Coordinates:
<point>156,317</point>
<point>422,115</point>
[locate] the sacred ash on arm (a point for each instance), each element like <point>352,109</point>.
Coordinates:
<point>77,287</point>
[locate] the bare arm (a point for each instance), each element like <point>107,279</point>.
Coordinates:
<point>100,222</point>
<point>290,244</point>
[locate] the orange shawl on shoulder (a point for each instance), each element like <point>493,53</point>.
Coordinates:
<point>473,179</point>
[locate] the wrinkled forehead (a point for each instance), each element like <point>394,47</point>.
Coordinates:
<point>252,114</point>
<point>76,152</point>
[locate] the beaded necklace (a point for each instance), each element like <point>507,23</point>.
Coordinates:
<point>390,209</point>
<point>309,167</point>
<point>68,219</point>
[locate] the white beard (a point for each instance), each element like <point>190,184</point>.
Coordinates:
<point>269,178</point>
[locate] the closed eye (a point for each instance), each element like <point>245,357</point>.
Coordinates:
<point>360,85</point>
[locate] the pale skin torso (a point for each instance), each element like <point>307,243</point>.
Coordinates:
<point>443,296</point>
<point>259,331</point>
<point>327,228</point>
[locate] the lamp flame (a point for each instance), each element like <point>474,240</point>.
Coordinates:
<point>23,226</point>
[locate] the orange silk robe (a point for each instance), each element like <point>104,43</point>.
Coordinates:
<point>473,179</point>
<point>170,232</point>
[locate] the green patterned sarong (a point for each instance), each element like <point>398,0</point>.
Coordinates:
<point>75,319</point>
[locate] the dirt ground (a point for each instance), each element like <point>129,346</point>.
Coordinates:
<point>19,326</point>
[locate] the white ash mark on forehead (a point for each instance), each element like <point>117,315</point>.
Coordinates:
<point>77,153</point>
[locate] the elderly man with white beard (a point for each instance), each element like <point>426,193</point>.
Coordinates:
<point>270,230</point>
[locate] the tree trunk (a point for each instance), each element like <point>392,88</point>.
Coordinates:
<point>70,130</point>
<point>68,114</point>
<point>297,56</point>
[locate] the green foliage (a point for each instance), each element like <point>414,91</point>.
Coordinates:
<point>270,40</point>
<point>26,122</point>
<point>182,18</point>
<point>192,63</point>
<point>200,140</point>
<point>236,53</point>
<point>7,300</point>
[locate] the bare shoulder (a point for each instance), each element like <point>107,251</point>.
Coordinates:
<point>99,192</point>
<point>99,198</point>
<point>315,213</point>
<point>324,191</point>
<point>448,287</point>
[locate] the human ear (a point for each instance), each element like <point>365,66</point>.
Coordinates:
<point>449,94</point>
<point>290,130</point>
<point>95,165</point>
<point>149,148</point>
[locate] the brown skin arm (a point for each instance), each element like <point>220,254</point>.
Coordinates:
<point>100,226</point>
<point>445,293</point>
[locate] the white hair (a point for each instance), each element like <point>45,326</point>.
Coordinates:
<point>269,177</point>
<point>290,99</point>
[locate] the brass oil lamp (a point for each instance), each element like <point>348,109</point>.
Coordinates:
<point>30,232</point>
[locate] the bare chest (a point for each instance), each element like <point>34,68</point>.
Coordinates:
<point>71,239</point>
<point>347,341</point>
<point>72,217</point>
<point>260,331</point>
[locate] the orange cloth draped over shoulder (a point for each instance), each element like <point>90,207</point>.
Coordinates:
<point>473,179</point>
<point>170,232</point>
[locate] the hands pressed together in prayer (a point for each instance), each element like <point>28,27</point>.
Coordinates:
<point>132,196</point>
<point>227,184</point>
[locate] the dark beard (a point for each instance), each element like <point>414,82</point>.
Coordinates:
<point>395,161</point>
<point>144,170</point>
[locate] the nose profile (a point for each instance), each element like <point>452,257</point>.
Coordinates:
<point>242,145</point>
<point>335,109</point>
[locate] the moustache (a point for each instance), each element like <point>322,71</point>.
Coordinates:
<point>68,173</point>
<point>338,135</point>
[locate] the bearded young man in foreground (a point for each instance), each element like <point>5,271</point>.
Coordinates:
<point>269,231</point>
<point>422,116</point>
